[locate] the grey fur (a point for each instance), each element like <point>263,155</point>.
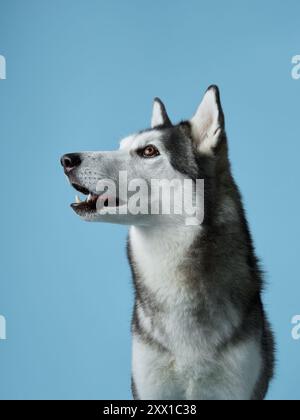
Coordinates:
<point>223,281</point>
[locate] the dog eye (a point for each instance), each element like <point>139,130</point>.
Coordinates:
<point>149,152</point>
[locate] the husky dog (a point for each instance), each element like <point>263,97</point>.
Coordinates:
<point>199,327</point>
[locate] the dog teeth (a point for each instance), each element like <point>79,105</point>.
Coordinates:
<point>79,201</point>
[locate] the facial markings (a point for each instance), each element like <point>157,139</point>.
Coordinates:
<point>126,142</point>
<point>137,143</point>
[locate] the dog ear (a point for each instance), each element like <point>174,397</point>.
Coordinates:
<point>159,115</point>
<point>208,122</point>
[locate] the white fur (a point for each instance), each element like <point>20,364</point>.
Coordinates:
<point>140,140</point>
<point>158,256</point>
<point>190,369</point>
<point>162,376</point>
<point>153,373</point>
<point>126,143</point>
<point>205,123</point>
<point>157,115</point>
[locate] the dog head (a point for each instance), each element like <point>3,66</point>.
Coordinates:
<point>120,185</point>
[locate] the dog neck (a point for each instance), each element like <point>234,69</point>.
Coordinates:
<point>156,255</point>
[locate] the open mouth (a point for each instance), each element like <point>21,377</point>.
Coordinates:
<point>93,202</point>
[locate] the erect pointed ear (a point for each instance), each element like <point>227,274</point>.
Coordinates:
<point>208,122</point>
<point>159,115</point>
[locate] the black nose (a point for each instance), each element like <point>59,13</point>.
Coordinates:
<point>70,161</point>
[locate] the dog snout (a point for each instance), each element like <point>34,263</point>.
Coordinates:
<point>70,161</point>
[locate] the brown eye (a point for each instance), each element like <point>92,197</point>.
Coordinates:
<point>150,152</point>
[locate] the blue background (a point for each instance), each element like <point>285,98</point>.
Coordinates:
<point>81,74</point>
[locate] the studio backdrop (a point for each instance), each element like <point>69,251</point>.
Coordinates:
<point>81,75</point>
